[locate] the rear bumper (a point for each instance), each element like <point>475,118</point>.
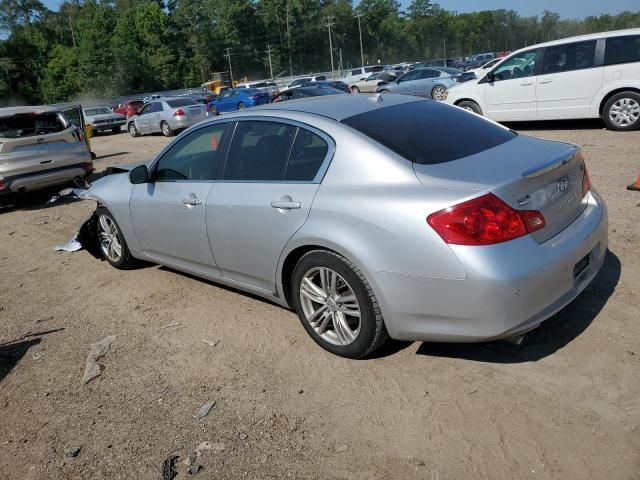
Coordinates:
<point>30,182</point>
<point>180,122</point>
<point>509,288</point>
<point>108,126</point>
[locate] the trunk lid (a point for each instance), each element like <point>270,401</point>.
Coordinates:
<point>526,173</point>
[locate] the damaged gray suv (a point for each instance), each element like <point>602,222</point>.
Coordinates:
<point>41,147</point>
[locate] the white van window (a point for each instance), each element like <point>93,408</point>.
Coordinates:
<point>520,65</point>
<point>357,71</point>
<point>569,56</point>
<point>622,50</point>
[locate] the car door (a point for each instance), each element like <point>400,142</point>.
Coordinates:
<point>406,83</point>
<point>568,80</point>
<point>227,101</point>
<point>271,175</point>
<point>425,82</point>
<point>511,95</point>
<point>142,119</point>
<point>168,213</point>
<point>155,116</point>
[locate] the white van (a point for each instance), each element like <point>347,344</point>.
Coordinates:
<point>356,74</point>
<point>590,76</point>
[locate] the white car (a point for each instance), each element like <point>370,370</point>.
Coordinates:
<point>298,82</point>
<point>481,71</point>
<point>356,74</point>
<point>591,76</point>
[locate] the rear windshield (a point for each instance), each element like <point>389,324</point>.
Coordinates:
<point>181,102</point>
<point>429,132</point>
<point>19,126</point>
<point>96,111</point>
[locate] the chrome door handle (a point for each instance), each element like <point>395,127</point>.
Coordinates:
<point>285,205</point>
<point>191,201</point>
<point>526,84</point>
<point>546,80</point>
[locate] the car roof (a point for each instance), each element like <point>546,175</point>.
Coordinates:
<point>580,38</point>
<point>28,109</point>
<point>338,107</point>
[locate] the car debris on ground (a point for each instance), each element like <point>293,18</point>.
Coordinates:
<point>98,350</point>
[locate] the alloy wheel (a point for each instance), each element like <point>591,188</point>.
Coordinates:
<point>624,112</point>
<point>109,237</point>
<point>132,130</point>
<point>438,93</point>
<point>165,129</point>
<point>330,306</point>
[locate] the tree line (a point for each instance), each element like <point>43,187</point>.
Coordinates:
<point>96,48</point>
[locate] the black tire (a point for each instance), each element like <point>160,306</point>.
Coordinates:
<point>385,91</point>
<point>213,110</point>
<point>355,89</point>
<point>372,332</point>
<point>241,106</point>
<point>166,129</point>
<point>632,97</point>
<point>116,129</point>
<point>126,260</point>
<point>470,105</point>
<point>133,131</point>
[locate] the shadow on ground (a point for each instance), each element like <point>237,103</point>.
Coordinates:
<point>553,335</point>
<point>10,354</point>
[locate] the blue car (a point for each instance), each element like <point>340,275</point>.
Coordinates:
<point>238,99</point>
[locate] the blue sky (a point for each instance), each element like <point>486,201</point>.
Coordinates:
<point>566,8</point>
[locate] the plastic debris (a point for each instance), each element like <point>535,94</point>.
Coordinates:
<point>210,342</point>
<point>72,245</point>
<point>169,471</point>
<point>72,452</point>
<point>204,410</point>
<point>98,350</point>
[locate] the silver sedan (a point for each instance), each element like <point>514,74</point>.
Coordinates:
<point>370,217</point>
<point>430,82</point>
<point>166,116</point>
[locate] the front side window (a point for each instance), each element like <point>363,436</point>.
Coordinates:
<point>622,50</point>
<point>146,109</point>
<point>519,66</point>
<point>407,77</point>
<point>194,157</point>
<point>429,73</point>
<point>569,56</point>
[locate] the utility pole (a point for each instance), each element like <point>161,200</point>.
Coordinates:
<point>444,47</point>
<point>289,42</point>
<point>330,23</point>
<point>228,55</point>
<point>358,15</point>
<point>270,66</point>
<point>340,62</point>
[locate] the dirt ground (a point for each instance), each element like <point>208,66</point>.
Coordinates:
<point>564,405</point>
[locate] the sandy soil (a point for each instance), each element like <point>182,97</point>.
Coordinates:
<point>564,405</point>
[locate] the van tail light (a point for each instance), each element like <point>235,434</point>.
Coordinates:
<point>2,184</point>
<point>178,113</point>
<point>485,220</point>
<point>586,181</point>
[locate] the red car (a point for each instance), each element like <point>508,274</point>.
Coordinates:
<point>129,108</point>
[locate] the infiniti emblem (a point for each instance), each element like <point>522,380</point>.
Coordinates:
<point>563,184</point>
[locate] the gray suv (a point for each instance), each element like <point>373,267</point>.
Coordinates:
<point>42,147</point>
<point>166,115</point>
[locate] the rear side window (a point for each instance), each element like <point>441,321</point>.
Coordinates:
<point>181,102</point>
<point>308,152</point>
<point>569,56</point>
<point>422,131</point>
<point>622,50</point>
<point>19,126</point>
<point>259,151</point>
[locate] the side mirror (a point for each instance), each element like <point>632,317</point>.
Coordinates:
<point>139,175</point>
<point>491,77</point>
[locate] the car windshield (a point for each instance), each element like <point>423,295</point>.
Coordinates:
<point>27,125</point>
<point>181,102</point>
<point>316,92</point>
<point>421,131</point>
<point>96,111</point>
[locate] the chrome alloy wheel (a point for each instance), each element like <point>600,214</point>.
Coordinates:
<point>624,112</point>
<point>438,93</point>
<point>330,306</point>
<point>109,239</point>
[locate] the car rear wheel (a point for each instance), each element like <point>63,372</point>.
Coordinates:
<point>241,106</point>
<point>133,131</point>
<point>111,241</point>
<point>355,89</point>
<point>384,91</point>
<point>167,131</point>
<point>470,106</point>
<point>438,92</point>
<point>622,112</point>
<point>213,110</point>
<point>336,305</point>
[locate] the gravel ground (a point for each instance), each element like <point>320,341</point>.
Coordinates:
<point>564,405</point>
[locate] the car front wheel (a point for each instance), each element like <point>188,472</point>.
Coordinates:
<point>438,92</point>
<point>336,305</point>
<point>133,131</point>
<point>355,89</point>
<point>622,112</point>
<point>470,106</point>
<point>111,241</point>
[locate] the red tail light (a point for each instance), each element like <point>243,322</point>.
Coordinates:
<point>178,113</point>
<point>484,220</point>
